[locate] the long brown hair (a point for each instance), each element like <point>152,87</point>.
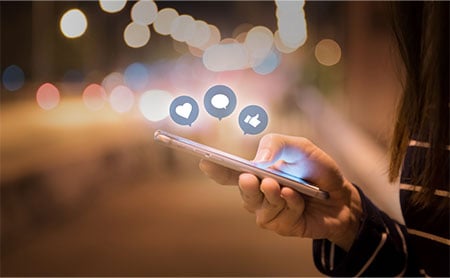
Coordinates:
<point>422,34</point>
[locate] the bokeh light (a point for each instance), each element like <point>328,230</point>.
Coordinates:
<point>47,96</point>
<point>73,76</point>
<point>201,34</point>
<point>121,99</point>
<point>73,23</point>
<point>13,78</point>
<point>241,37</point>
<point>182,28</point>
<point>112,80</point>
<point>328,52</point>
<point>154,105</point>
<point>258,42</point>
<point>214,37</point>
<point>197,52</point>
<point>94,97</point>
<point>269,64</point>
<point>136,35</point>
<point>136,77</point>
<point>242,28</point>
<point>291,23</point>
<point>281,47</point>
<point>163,21</point>
<point>144,12</point>
<point>112,6</point>
<point>225,57</point>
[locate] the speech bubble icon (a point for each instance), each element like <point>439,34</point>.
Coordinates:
<point>184,110</point>
<point>253,119</point>
<point>220,101</point>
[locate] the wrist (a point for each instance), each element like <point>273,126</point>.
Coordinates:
<point>351,222</point>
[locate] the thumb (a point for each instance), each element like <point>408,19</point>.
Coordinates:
<point>256,117</point>
<point>299,157</point>
<point>269,150</point>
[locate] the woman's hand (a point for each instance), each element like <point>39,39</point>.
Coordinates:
<point>287,212</point>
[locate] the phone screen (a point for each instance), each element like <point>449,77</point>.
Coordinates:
<point>239,164</point>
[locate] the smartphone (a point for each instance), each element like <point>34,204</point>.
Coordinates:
<point>238,164</point>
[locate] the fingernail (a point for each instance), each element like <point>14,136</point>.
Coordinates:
<point>263,155</point>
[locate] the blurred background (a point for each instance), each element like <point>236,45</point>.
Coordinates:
<point>84,189</point>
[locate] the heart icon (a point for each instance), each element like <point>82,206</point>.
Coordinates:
<point>184,110</point>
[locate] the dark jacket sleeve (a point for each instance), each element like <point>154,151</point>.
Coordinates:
<point>379,249</point>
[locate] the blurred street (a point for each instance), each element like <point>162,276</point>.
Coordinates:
<point>99,198</point>
<point>85,191</point>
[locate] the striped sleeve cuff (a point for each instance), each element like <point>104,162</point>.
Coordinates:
<point>378,250</point>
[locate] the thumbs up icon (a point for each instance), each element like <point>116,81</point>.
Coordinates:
<point>253,121</point>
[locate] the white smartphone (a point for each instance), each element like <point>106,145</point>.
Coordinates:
<point>239,164</point>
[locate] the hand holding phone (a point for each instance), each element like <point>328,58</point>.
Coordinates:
<point>239,164</point>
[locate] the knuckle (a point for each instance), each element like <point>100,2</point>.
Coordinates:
<point>266,139</point>
<point>260,222</point>
<point>248,207</point>
<point>304,141</point>
<point>268,136</point>
<point>275,206</point>
<point>283,231</point>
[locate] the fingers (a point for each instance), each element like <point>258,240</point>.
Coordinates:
<point>250,192</point>
<point>299,157</point>
<point>273,147</point>
<point>268,149</point>
<point>276,208</point>
<point>272,205</point>
<point>283,213</point>
<point>294,201</point>
<point>218,173</point>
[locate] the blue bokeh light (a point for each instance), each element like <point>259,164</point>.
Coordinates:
<point>136,77</point>
<point>269,64</point>
<point>13,78</point>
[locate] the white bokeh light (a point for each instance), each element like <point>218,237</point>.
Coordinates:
<point>121,99</point>
<point>154,105</point>
<point>112,6</point>
<point>73,23</point>
<point>259,42</point>
<point>112,80</point>
<point>200,35</point>
<point>214,37</point>
<point>136,35</point>
<point>291,22</point>
<point>182,28</point>
<point>280,45</point>
<point>225,57</point>
<point>144,12</point>
<point>163,21</point>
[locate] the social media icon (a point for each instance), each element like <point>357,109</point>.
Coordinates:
<point>220,101</point>
<point>253,119</point>
<point>184,110</point>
